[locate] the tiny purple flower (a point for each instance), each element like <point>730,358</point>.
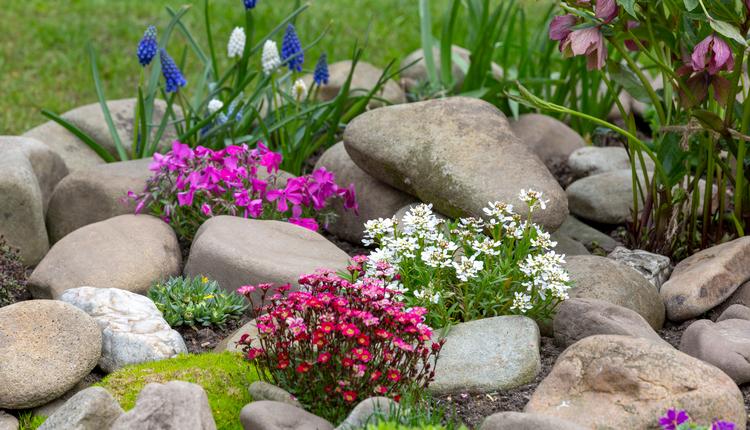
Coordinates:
<point>672,419</point>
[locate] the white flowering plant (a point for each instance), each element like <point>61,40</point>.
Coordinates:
<point>470,268</point>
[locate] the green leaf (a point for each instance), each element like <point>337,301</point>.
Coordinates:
<point>629,6</point>
<point>626,78</point>
<point>105,109</point>
<point>710,120</point>
<point>77,132</point>
<point>728,30</point>
<point>691,4</point>
<point>425,19</point>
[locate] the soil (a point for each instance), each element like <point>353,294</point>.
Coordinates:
<point>205,339</point>
<point>350,248</point>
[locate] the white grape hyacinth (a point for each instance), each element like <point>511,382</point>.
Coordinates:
<point>214,106</point>
<point>236,45</point>
<point>299,89</point>
<point>270,59</point>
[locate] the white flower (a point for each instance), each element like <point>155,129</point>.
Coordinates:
<point>467,268</point>
<point>405,246</point>
<point>236,45</point>
<point>436,257</point>
<point>376,229</point>
<point>429,295</point>
<point>522,302</point>
<point>270,58</point>
<point>533,199</point>
<point>214,106</point>
<point>420,221</point>
<point>543,239</point>
<point>299,89</point>
<point>487,246</point>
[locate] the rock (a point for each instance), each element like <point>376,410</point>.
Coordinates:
<point>593,160</point>
<point>590,237</point>
<point>133,329</point>
<point>236,251</point>
<point>488,355</point>
<point>605,198</point>
<point>380,407</point>
<point>550,139</point>
<point>46,347</point>
<point>75,154</point>
<point>656,268</point>
<point>129,252</point>
<point>613,282</point>
<point>567,246</point>
<point>521,421</point>
<point>260,390</point>
<point>47,409</point>
<point>621,382</point>
<point>579,318</point>
<point>364,79</point>
<point>21,206</point>
<point>457,153</point>
<point>735,311</point>
<point>707,278</point>
<point>49,168</point>
<point>268,415</point>
<point>8,422</point>
<point>230,343</point>
<point>725,344</point>
<point>91,409</point>
<point>740,297</point>
<point>95,194</point>
<point>375,199</point>
<point>414,70</point>
<point>176,405</point>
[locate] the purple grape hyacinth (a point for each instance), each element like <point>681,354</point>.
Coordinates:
<point>172,74</point>
<point>321,75</point>
<point>291,50</point>
<point>250,4</point>
<point>147,47</point>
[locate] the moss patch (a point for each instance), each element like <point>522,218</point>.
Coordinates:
<point>225,377</point>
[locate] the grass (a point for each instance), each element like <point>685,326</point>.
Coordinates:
<point>43,61</point>
<point>225,377</point>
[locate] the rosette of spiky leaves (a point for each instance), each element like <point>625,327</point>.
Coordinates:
<point>196,301</point>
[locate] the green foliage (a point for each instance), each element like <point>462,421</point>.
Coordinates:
<point>12,275</point>
<point>225,377</point>
<point>391,425</point>
<point>414,411</point>
<point>196,301</point>
<point>29,421</point>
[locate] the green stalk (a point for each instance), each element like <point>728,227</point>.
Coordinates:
<point>209,34</point>
<point>644,80</point>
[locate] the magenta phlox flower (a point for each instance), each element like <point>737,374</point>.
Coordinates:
<point>672,419</point>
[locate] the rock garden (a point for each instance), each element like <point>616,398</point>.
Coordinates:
<point>535,221</point>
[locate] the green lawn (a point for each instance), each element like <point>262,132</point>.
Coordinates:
<point>43,61</point>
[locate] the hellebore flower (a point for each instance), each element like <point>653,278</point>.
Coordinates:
<point>236,45</point>
<point>250,4</point>
<point>321,75</point>
<point>588,42</point>
<point>147,47</point>
<point>270,59</point>
<point>606,10</point>
<point>712,54</point>
<point>291,49</point>
<point>172,74</point>
<point>672,419</point>
<point>559,28</point>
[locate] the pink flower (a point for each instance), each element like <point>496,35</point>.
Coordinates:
<point>185,198</point>
<point>308,223</point>
<point>606,10</point>
<point>206,209</point>
<point>246,289</point>
<point>712,54</point>
<point>588,42</point>
<point>559,28</point>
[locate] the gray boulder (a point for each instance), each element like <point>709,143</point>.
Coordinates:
<point>522,421</point>
<point>95,194</point>
<point>8,422</point>
<point>725,344</point>
<point>364,79</point>
<point>613,282</point>
<point>237,251</point>
<point>376,199</point>
<point>21,206</point>
<point>590,237</point>
<point>129,252</point>
<point>605,198</point>
<point>656,268</point>
<point>579,318</point>
<point>176,405</point>
<point>415,70</point>
<point>593,160</point>
<point>261,390</point>
<point>457,153</point>
<point>133,329</point>
<point>91,409</point>
<point>488,355</point>
<point>268,415</point>
<point>735,311</point>
<point>367,411</point>
<point>550,139</point>
<point>566,245</point>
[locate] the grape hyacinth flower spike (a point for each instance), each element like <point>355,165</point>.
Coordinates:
<point>172,74</point>
<point>291,50</point>
<point>270,59</point>
<point>147,47</point>
<point>236,44</point>
<point>321,75</point>
<point>250,4</point>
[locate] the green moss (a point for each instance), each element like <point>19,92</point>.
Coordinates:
<point>225,377</point>
<point>27,421</point>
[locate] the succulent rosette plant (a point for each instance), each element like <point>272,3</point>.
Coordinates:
<point>339,340</point>
<point>190,185</point>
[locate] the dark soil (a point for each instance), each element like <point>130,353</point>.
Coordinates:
<point>472,409</point>
<point>205,339</point>
<point>350,248</point>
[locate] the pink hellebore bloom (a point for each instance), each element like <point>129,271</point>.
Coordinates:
<point>588,42</point>
<point>712,54</point>
<point>559,28</point>
<point>606,10</point>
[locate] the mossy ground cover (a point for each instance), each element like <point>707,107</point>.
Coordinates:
<point>225,377</point>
